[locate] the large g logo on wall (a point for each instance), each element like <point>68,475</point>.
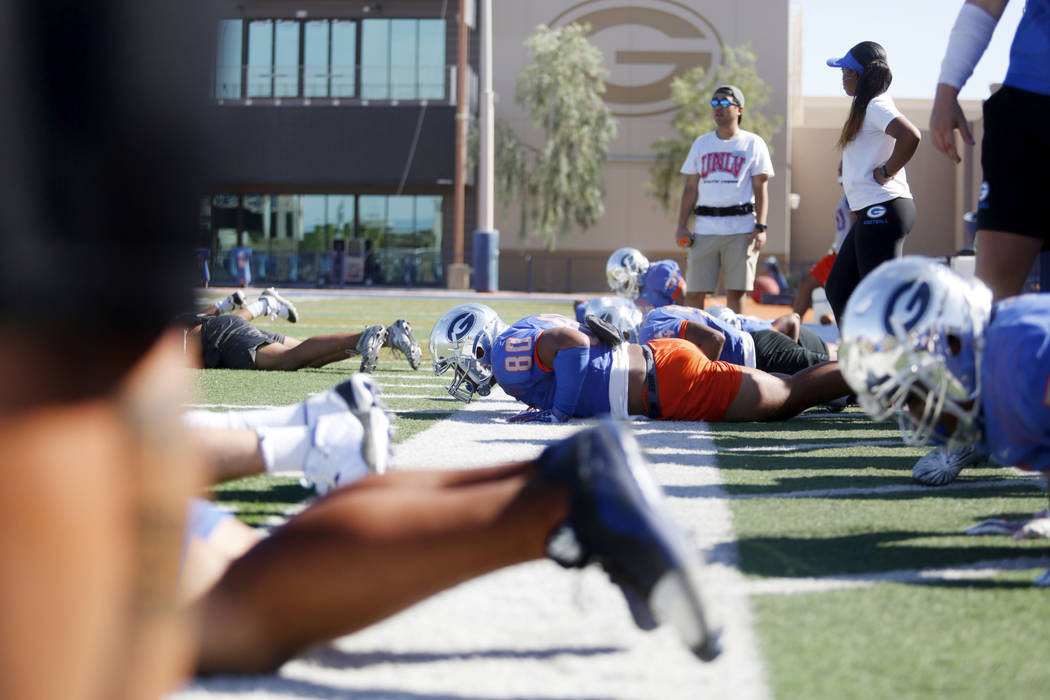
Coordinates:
<point>647,43</point>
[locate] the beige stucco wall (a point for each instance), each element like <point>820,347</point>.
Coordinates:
<point>685,32</point>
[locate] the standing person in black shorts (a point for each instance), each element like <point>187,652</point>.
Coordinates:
<point>876,141</point>
<point>1010,225</point>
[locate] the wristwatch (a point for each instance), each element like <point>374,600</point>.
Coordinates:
<point>761,227</point>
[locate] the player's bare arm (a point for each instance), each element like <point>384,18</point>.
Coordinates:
<point>553,340</point>
<point>906,136</point>
<point>760,188</point>
<point>966,44</point>
<point>685,209</point>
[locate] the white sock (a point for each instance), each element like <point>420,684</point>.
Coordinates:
<point>258,308</point>
<point>279,416</point>
<point>284,449</point>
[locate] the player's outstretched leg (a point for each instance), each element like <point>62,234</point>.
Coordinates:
<point>400,338</point>
<point>348,444</point>
<point>940,466</point>
<point>617,518</point>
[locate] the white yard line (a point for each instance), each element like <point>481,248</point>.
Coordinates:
<point>971,572</point>
<point>1000,483</point>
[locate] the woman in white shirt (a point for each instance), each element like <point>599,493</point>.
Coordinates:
<point>876,141</point>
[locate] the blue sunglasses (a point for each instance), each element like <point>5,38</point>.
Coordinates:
<point>723,102</point>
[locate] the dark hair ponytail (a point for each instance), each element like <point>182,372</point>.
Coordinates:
<point>874,81</point>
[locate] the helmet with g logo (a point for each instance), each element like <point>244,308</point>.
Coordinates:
<point>462,340</point>
<point>912,344</point>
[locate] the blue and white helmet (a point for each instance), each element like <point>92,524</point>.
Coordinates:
<point>462,340</point>
<point>726,315</point>
<point>621,313</point>
<point>914,332</point>
<point>624,272</point>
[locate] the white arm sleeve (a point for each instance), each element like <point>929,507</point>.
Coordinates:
<point>966,44</point>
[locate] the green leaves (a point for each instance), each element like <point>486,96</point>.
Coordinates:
<point>692,93</point>
<point>559,181</point>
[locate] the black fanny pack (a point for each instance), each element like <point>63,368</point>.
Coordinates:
<point>735,210</point>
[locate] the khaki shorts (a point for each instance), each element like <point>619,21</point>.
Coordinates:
<point>732,254</point>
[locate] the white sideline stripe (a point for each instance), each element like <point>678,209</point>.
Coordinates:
<point>805,447</point>
<point>387,398</point>
<point>1003,483</point>
<point>808,446</point>
<point>982,570</point>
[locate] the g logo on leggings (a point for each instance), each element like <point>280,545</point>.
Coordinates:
<point>875,211</point>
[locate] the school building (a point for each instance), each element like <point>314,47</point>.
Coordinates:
<point>338,123</point>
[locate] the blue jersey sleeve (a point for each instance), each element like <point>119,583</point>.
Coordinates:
<point>666,322</point>
<point>1015,381</point>
<point>663,284</point>
<point>660,323</point>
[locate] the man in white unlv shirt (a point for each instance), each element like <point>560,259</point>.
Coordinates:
<point>726,175</point>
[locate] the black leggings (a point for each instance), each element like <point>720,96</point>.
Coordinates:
<point>876,236</point>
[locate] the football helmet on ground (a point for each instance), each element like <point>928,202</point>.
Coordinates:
<point>725,314</point>
<point>913,336</point>
<point>624,272</point>
<point>462,340</point>
<point>621,313</point>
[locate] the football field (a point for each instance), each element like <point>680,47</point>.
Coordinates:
<point>831,574</point>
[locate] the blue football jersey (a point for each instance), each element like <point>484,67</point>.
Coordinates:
<point>519,372</point>
<point>666,322</point>
<point>663,284</point>
<point>1015,381</point>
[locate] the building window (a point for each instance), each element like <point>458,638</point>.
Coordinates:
<point>344,59</point>
<point>400,59</point>
<point>260,58</point>
<point>286,59</point>
<point>291,238</point>
<point>403,59</point>
<point>431,75</point>
<point>228,60</point>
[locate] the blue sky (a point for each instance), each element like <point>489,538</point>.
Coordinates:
<point>914,33</point>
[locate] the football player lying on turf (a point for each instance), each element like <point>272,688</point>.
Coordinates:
<point>767,349</point>
<point>561,369</point>
<point>652,285</point>
<point>649,285</point>
<point>924,344</point>
<point>353,557</point>
<point>230,341</point>
<point>720,338</point>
